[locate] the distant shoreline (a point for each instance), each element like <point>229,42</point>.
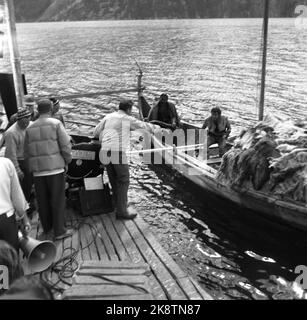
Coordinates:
<point>153,19</point>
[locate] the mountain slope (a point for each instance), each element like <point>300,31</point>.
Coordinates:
<point>58,10</point>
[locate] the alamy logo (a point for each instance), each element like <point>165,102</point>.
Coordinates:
<point>302,278</point>
<point>4,277</point>
<point>301,20</point>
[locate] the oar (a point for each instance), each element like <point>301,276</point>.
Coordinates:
<point>185,148</point>
<point>161,123</point>
<point>91,94</point>
<point>81,123</point>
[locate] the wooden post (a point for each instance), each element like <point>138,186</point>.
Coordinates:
<point>140,75</point>
<point>140,89</point>
<point>264,57</point>
<point>14,52</point>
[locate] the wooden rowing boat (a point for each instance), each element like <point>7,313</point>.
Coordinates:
<point>203,174</point>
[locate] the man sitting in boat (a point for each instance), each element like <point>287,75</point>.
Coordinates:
<point>218,130</point>
<point>164,114</point>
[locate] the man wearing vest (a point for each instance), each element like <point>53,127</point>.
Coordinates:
<point>48,152</point>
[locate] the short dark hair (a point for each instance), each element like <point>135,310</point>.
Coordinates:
<point>216,110</point>
<point>125,105</point>
<point>164,95</point>
<point>44,106</point>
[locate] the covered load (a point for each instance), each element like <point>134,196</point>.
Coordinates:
<point>271,157</point>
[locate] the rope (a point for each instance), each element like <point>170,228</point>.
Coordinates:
<point>68,264</point>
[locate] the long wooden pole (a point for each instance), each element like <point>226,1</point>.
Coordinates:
<point>89,95</point>
<point>185,148</point>
<point>264,57</point>
<point>14,52</point>
<point>140,89</point>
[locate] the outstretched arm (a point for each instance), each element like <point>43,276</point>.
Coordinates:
<point>205,125</point>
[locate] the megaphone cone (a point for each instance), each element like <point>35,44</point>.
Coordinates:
<point>40,254</point>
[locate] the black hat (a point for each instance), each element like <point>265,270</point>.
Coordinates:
<point>23,113</point>
<point>54,101</point>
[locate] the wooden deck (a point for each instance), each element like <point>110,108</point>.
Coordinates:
<point>106,239</point>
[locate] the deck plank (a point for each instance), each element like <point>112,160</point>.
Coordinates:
<point>85,252</point>
<point>91,235</point>
<point>128,243</point>
<point>172,266</point>
<point>162,274</point>
<point>114,238</point>
<point>129,279</point>
<point>104,245</point>
<point>126,280</point>
<point>136,256</point>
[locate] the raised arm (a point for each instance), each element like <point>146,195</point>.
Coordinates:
<point>205,125</point>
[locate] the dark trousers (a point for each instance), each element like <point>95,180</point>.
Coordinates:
<point>220,140</point>
<point>50,193</point>
<point>119,178</point>
<point>9,230</point>
<point>27,181</point>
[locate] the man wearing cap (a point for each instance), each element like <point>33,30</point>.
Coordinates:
<point>55,110</point>
<point>114,134</point>
<point>48,152</point>
<point>14,139</point>
<point>30,104</point>
<point>165,112</point>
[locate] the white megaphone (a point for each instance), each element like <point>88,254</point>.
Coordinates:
<point>40,254</point>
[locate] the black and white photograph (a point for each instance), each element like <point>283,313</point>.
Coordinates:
<point>153,151</point>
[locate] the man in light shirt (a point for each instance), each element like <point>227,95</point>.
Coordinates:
<point>48,152</point>
<point>13,205</point>
<point>114,134</point>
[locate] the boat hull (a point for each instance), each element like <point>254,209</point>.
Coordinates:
<point>204,177</point>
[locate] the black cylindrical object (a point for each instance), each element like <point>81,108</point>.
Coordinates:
<point>7,92</point>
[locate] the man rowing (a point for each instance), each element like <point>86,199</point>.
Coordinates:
<point>164,113</point>
<point>218,130</point>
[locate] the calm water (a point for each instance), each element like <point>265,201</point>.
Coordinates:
<point>200,63</point>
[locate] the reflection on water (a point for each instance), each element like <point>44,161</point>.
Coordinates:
<point>200,63</point>
<point>234,254</point>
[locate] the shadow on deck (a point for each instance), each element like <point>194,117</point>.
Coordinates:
<point>110,242</point>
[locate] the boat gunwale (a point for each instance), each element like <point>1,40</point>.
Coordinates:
<point>259,195</point>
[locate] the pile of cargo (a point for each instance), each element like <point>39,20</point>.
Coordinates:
<point>271,157</point>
